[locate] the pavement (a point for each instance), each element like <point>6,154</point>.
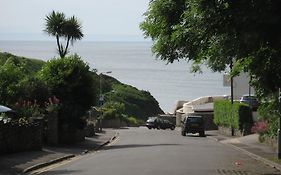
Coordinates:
<point>251,146</point>
<point>25,162</point>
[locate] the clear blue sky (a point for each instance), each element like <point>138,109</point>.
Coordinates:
<point>101,19</point>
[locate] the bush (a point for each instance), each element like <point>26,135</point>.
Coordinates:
<point>33,89</point>
<point>269,112</point>
<point>236,116</point>
<point>132,121</point>
<point>71,81</point>
<point>10,76</point>
<point>113,110</point>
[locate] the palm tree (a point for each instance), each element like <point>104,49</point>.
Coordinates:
<point>72,31</point>
<point>59,26</point>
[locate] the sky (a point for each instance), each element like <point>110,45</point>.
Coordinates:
<point>103,20</point>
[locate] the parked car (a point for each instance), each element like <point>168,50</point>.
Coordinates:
<point>166,124</point>
<point>193,124</point>
<point>157,123</point>
<point>252,101</point>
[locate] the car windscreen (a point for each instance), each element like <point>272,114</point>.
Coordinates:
<point>194,119</point>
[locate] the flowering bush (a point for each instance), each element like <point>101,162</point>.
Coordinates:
<point>52,105</point>
<point>28,109</point>
<point>31,109</point>
<point>259,127</point>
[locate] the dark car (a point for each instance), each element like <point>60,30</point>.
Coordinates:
<point>166,124</point>
<point>193,124</point>
<point>252,101</point>
<point>157,123</point>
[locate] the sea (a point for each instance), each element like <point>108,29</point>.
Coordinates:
<point>133,63</point>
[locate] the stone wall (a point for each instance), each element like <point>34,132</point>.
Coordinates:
<point>16,138</point>
<point>117,123</point>
<point>51,130</point>
<point>70,135</point>
<point>228,132</point>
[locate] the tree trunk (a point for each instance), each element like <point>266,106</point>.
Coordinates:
<point>58,44</point>
<point>67,44</point>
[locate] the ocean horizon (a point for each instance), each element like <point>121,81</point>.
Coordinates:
<point>132,63</point>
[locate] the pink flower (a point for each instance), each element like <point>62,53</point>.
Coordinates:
<point>55,100</point>
<point>259,127</point>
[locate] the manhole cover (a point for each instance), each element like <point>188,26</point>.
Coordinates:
<point>236,172</point>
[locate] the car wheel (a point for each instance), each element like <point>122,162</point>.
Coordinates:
<point>202,134</point>
<point>149,127</point>
<point>172,128</point>
<point>183,133</point>
<point>158,127</point>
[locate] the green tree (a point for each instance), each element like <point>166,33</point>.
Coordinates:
<point>33,89</point>
<point>113,110</point>
<point>71,81</point>
<point>59,26</point>
<point>217,32</point>
<point>10,76</point>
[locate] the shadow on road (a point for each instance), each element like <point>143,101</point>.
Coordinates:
<point>195,135</point>
<point>137,146</point>
<point>57,172</point>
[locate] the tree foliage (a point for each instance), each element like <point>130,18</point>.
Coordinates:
<point>219,32</point>
<point>59,26</point>
<point>216,32</point>
<point>71,81</point>
<point>10,77</point>
<point>31,88</point>
<point>137,103</point>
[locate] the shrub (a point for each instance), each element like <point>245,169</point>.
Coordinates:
<point>113,110</point>
<point>236,116</point>
<point>259,127</point>
<point>132,121</point>
<point>269,112</point>
<point>10,76</point>
<point>71,81</point>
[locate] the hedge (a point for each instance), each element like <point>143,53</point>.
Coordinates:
<point>234,116</point>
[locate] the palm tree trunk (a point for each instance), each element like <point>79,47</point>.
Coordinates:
<point>59,47</point>
<point>66,47</point>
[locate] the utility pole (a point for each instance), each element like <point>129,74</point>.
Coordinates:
<point>231,95</point>
<point>101,98</point>
<point>279,130</point>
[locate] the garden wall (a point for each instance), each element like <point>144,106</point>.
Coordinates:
<point>16,138</point>
<point>116,123</point>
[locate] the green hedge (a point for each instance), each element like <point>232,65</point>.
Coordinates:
<point>232,116</point>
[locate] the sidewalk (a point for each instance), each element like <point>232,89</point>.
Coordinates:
<point>14,164</point>
<point>250,145</point>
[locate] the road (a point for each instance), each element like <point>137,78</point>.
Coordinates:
<point>139,151</point>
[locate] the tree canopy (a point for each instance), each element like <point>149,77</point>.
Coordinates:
<point>216,32</point>
<point>72,82</point>
<point>59,26</point>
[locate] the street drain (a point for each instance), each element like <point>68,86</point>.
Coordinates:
<point>234,172</point>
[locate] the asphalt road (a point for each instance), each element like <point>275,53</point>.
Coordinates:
<point>139,151</point>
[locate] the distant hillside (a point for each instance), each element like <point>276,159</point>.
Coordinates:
<point>138,103</point>
<point>30,65</point>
